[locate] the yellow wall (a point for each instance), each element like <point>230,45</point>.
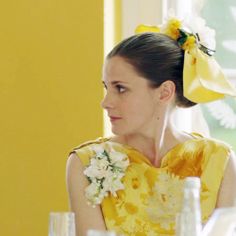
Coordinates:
<point>51,54</point>
<point>117,21</point>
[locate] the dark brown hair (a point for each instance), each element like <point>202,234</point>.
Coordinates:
<point>157,58</point>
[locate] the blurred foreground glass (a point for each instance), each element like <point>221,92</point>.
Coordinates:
<point>92,232</point>
<point>61,224</point>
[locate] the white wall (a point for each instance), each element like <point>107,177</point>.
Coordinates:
<point>135,12</point>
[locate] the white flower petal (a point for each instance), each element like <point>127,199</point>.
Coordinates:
<point>98,148</point>
<point>105,174</point>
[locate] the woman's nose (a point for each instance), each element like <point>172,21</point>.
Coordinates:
<point>107,102</point>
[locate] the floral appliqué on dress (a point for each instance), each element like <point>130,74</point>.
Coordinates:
<point>165,200</point>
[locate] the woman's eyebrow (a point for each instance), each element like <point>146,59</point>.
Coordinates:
<point>115,82</point>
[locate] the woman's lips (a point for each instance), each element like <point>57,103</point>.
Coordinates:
<point>114,118</point>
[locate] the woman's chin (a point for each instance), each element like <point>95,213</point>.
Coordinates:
<point>120,131</point>
<point>117,131</point>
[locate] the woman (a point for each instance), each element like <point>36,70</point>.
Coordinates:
<point>134,179</point>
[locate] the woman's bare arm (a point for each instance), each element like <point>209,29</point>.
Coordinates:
<point>86,216</point>
<point>227,194</point>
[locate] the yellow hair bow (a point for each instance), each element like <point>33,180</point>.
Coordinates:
<point>146,28</point>
<point>203,79</point>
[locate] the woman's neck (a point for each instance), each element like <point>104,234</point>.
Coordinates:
<point>149,144</point>
<point>154,147</point>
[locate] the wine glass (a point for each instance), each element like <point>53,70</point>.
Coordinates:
<point>92,232</point>
<point>61,224</point>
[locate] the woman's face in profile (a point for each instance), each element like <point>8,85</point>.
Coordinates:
<point>130,102</point>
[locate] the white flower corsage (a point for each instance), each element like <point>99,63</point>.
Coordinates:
<point>104,173</point>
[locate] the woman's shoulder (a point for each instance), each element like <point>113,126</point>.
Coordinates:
<point>209,142</point>
<point>207,148</point>
<point>85,149</point>
<point>89,143</point>
<point>88,149</point>
<point>192,143</point>
<point>104,142</point>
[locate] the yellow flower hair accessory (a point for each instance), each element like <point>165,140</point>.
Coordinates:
<point>172,28</point>
<point>203,78</point>
<point>146,28</point>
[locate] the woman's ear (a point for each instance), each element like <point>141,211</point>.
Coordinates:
<point>167,91</point>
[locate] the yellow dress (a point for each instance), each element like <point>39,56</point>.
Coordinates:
<point>152,196</point>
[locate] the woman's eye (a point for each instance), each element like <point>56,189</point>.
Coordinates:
<point>120,88</point>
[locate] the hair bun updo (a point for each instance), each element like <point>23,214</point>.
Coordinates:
<point>157,58</point>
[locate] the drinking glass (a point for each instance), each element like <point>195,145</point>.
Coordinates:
<point>92,232</point>
<point>61,224</point>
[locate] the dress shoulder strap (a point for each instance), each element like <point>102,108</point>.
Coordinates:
<point>88,143</point>
<point>84,150</point>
